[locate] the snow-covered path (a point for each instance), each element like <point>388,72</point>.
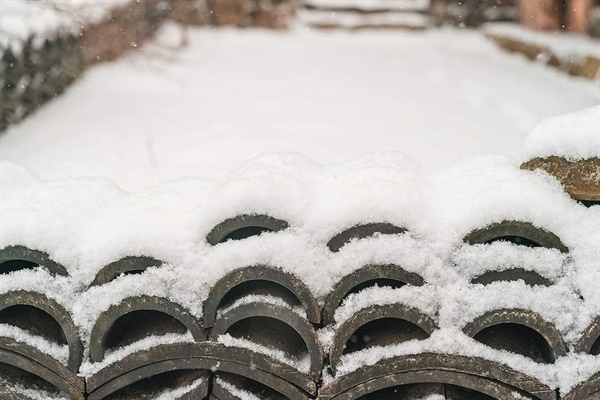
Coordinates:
<point>232,95</point>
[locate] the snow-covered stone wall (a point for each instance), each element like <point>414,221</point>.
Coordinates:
<point>575,54</point>
<point>44,46</point>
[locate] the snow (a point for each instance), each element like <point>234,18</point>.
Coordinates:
<point>455,304</point>
<point>146,155</point>
<point>88,368</point>
<point>175,394</point>
<point>165,282</point>
<point>371,5</point>
<point>567,371</point>
<point>412,254</point>
<point>30,393</point>
<point>574,369</point>
<point>19,19</point>
<point>423,298</point>
<point>302,365</point>
<point>408,92</point>
<point>59,352</point>
<point>473,260</point>
<point>241,394</point>
<point>59,288</point>
<point>461,305</point>
<point>262,299</point>
<point>445,341</point>
<point>564,45</point>
<point>494,189</point>
<point>574,136</point>
<point>351,20</point>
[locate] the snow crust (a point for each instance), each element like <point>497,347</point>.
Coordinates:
<point>575,136</point>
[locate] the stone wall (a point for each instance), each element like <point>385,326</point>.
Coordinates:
<point>36,74</point>
<point>42,67</point>
<point>472,13</point>
<point>271,14</point>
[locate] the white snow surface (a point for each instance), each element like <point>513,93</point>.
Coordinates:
<point>575,136</point>
<point>163,113</point>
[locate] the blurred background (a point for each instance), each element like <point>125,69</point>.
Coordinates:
<point>142,91</point>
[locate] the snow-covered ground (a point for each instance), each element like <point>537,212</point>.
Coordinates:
<point>232,95</point>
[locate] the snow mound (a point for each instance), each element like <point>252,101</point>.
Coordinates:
<point>574,136</point>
